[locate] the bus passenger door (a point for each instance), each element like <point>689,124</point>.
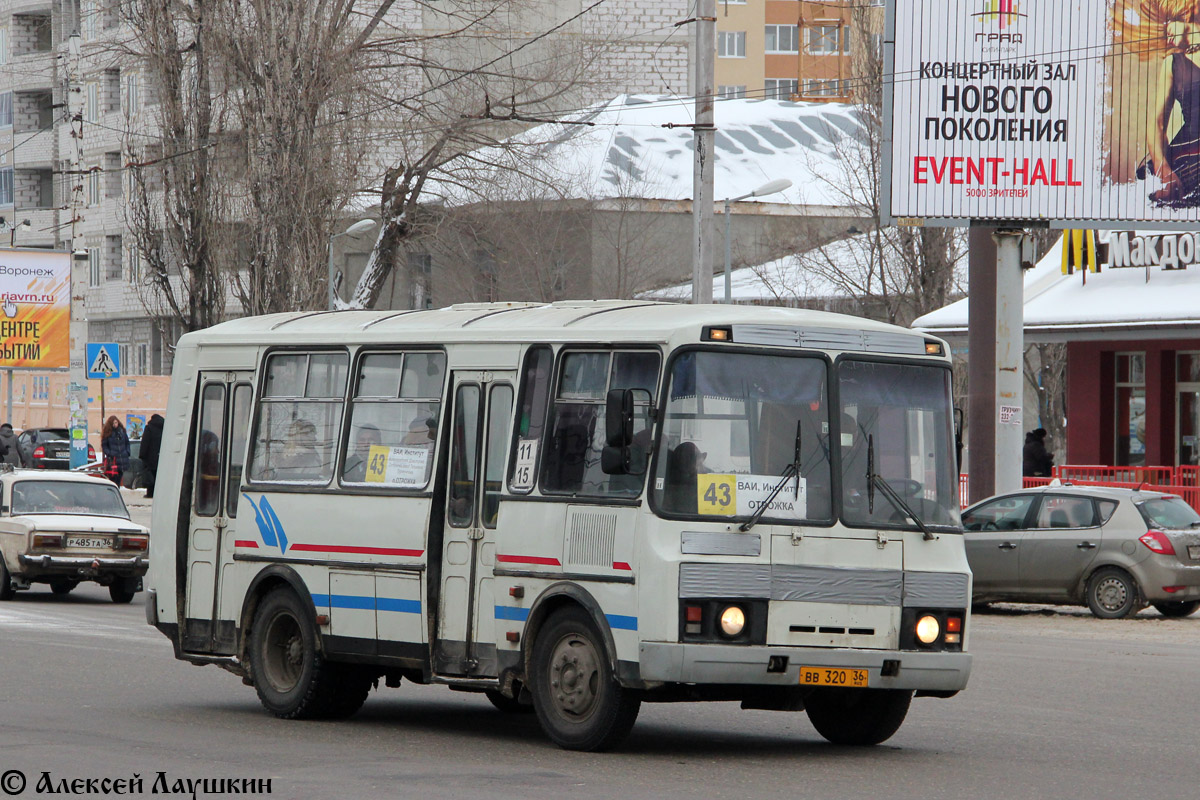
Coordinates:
<point>480,418</point>
<point>219,452</point>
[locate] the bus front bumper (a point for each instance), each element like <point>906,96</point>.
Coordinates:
<point>726,664</point>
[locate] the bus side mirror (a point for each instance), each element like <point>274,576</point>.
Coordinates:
<point>617,456</point>
<point>958,442</point>
<point>618,418</point>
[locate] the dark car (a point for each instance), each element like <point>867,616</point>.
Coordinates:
<point>47,448</point>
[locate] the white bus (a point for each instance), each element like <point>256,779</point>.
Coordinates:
<point>577,507</point>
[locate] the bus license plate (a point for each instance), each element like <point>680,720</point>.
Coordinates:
<point>833,676</point>
<point>91,542</point>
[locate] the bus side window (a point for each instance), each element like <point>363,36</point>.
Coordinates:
<point>396,406</point>
<point>299,417</point>
<point>531,418</point>
<point>577,428</point>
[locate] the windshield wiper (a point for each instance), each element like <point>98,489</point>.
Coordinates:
<point>874,479</point>
<point>790,471</point>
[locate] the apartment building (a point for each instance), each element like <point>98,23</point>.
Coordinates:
<point>64,183</point>
<point>793,49</point>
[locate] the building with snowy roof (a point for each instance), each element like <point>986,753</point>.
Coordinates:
<point>1132,330</point>
<point>600,203</point>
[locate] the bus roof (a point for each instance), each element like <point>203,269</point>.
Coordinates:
<point>566,321</point>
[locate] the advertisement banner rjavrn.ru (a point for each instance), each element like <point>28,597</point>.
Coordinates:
<point>35,308</point>
<point>1071,111</point>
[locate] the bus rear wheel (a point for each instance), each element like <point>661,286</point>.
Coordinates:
<point>291,676</point>
<point>577,698</point>
<point>857,716</point>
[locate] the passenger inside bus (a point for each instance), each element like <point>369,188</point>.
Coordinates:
<point>422,432</point>
<point>355,470</point>
<point>684,463</point>
<point>299,459</point>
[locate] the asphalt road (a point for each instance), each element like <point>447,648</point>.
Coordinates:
<point>1060,705</point>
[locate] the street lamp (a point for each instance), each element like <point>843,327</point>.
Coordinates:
<point>767,188</point>
<point>358,228</point>
<point>12,236</point>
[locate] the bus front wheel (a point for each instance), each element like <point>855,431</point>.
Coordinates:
<point>857,716</point>
<point>291,676</point>
<point>578,701</point>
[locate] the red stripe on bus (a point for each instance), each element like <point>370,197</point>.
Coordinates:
<point>622,565</point>
<point>245,543</point>
<point>370,551</point>
<point>541,560</point>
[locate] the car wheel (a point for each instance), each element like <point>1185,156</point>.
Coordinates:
<point>577,698</point>
<point>6,588</point>
<point>858,717</point>
<point>291,676</point>
<point>122,590</point>
<point>507,704</point>
<point>1182,608</point>
<point>62,585</point>
<point>1112,594</point>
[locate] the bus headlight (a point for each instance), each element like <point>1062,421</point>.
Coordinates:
<point>928,629</point>
<point>733,620</point>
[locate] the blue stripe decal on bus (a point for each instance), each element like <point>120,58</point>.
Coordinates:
<point>510,613</point>
<point>367,603</point>
<point>396,604</point>
<point>621,621</point>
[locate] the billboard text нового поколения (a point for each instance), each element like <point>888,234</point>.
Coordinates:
<point>1065,110</point>
<point>35,309</point>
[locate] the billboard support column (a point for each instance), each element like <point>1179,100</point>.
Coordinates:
<point>1010,351</point>
<point>981,363</point>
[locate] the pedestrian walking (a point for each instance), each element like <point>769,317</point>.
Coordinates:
<point>1036,460</point>
<point>151,444</point>
<point>8,446</point>
<point>115,443</point>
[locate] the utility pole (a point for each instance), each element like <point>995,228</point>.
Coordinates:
<point>77,393</point>
<point>702,175</point>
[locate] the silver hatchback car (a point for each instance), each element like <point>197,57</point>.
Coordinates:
<point>1114,550</point>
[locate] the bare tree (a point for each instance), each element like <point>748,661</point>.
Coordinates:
<point>475,86</point>
<point>300,71</point>
<point>176,206</point>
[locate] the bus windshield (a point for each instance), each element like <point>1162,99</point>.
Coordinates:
<point>735,423</point>
<point>731,428</point>
<point>897,419</point>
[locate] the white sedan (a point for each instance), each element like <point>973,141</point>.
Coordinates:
<point>62,528</point>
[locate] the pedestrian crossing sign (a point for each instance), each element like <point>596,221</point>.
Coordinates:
<point>104,360</point>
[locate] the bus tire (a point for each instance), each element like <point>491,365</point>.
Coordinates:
<point>291,676</point>
<point>577,698</point>
<point>508,705</point>
<point>858,717</point>
<point>351,685</point>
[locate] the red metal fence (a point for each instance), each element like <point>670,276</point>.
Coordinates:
<point>1183,481</point>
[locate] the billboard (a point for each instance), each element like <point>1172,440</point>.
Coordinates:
<point>1077,112</point>
<point>35,308</point>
